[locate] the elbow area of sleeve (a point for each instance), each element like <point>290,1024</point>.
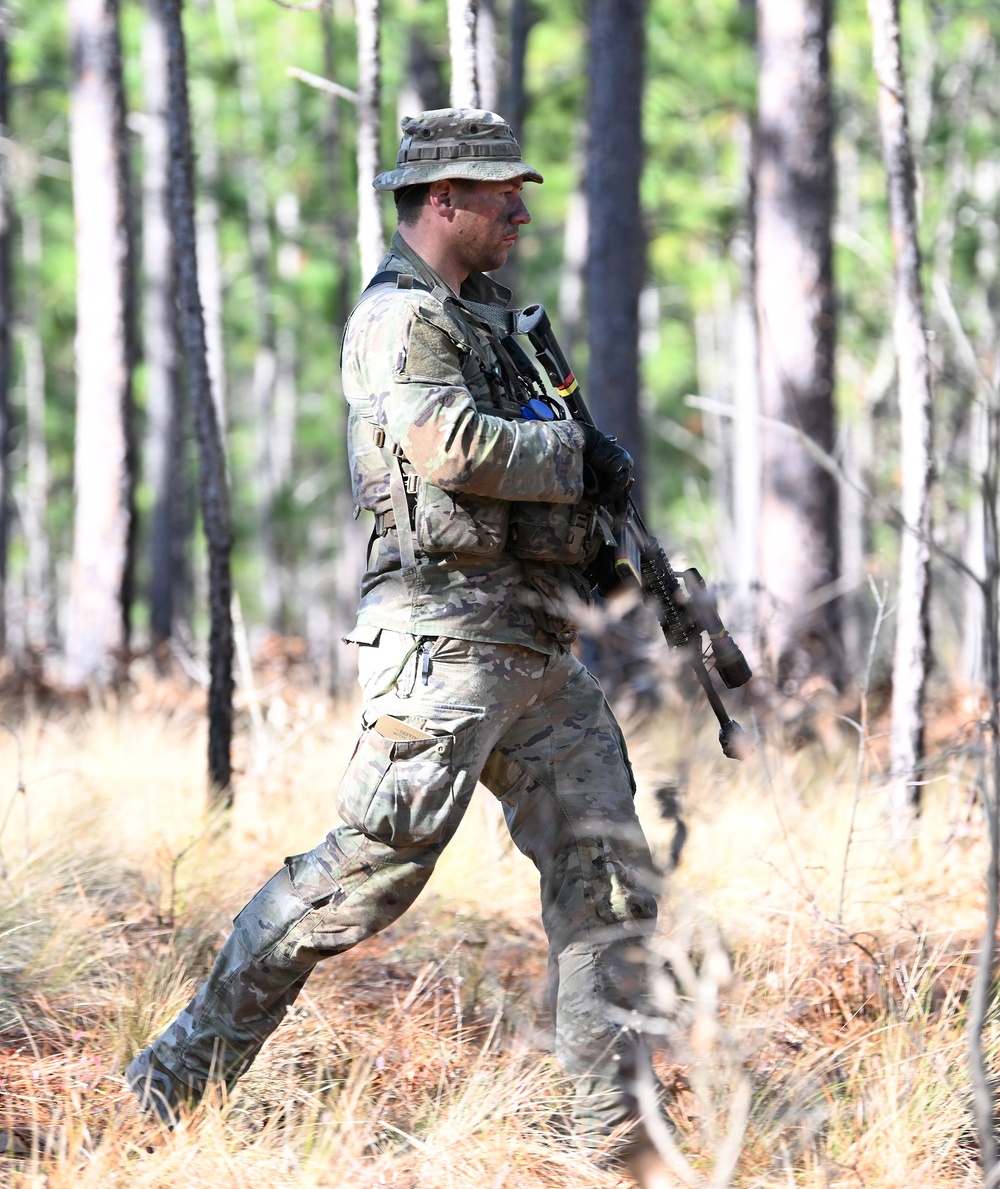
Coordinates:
<point>512,460</point>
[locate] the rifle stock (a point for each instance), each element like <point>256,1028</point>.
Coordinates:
<point>685,608</point>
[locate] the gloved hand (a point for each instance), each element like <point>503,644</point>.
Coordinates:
<point>607,467</point>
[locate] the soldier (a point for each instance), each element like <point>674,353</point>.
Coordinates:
<point>487,513</point>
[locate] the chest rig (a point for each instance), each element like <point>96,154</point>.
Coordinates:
<point>428,520</point>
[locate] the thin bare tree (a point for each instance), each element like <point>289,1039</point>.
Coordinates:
<point>213,484</point>
<point>97,627</point>
<point>793,262</point>
<point>912,645</point>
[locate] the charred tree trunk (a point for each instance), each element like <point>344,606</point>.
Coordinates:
<point>104,462</point>
<point>209,252</point>
<point>616,239</point>
<point>912,648</point>
<point>214,491</point>
<point>169,524</point>
<point>794,181</point>
<point>521,20</point>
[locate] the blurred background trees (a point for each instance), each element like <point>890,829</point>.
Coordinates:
<point>713,241</point>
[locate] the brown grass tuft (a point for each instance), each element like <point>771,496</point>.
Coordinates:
<point>820,1033</point>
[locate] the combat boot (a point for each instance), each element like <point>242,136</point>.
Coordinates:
<point>157,1090</point>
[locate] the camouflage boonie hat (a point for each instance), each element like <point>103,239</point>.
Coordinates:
<point>456,142</point>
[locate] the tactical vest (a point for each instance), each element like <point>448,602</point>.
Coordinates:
<point>432,521</point>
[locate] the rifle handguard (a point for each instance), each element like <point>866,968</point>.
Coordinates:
<point>683,614</point>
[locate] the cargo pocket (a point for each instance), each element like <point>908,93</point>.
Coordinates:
<point>399,791</point>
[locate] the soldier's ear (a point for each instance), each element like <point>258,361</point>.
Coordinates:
<point>442,198</point>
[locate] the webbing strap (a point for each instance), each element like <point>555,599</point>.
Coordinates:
<point>401,512</point>
<point>402,280</point>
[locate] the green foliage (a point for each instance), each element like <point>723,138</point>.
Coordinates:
<point>274,132</point>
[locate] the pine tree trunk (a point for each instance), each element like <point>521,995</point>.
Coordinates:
<point>209,252</point>
<point>164,392</point>
<point>616,240</point>
<point>462,50</point>
<point>486,54</point>
<point>104,462</point>
<point>371,239</point>
<point>214,491</point>
<point>794,182</point>
<point>521,20</point>
<point>341,228</point>
<point>574,266</point>
<point>337,549</point>
<point>39,603</point>
<point>912,648</point>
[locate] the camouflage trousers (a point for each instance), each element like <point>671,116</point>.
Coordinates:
<point>537,731</point>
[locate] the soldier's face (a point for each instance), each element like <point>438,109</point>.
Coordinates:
<point>487,218</point>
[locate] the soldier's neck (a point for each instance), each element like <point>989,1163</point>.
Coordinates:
<point>435,252</point>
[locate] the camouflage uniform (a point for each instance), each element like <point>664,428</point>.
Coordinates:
<point>467,676</point>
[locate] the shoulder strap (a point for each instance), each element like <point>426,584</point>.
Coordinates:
<point>402,280</point>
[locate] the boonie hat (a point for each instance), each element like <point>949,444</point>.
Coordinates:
<point>456,142</point>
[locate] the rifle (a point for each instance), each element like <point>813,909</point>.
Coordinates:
<point>684,606</point>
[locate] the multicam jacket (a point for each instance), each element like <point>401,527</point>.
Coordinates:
<point>436,436</point>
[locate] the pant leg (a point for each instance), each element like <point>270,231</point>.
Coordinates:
<point>401,802</point>
<point>563,775</point>
<point>320,903</point>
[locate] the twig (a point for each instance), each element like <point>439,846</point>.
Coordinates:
<point>322,84</point>
<point>657,1129</point>
<point>863,738</point>
<point>833,467</point>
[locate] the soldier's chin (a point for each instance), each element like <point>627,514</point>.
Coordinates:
<point>497,260</point>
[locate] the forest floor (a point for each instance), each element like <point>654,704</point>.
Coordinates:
<point>812,1024</point>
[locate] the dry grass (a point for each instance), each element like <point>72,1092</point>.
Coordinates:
<point>834,1014</point>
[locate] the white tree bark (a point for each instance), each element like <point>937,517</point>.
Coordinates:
<point>371,238</point>
<point>97,623</point>
<point>486,54</point>
<point>793,216</point>
<point>910,659</point>
<point>462,47</point>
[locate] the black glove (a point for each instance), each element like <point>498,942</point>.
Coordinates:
<point>607,467</point>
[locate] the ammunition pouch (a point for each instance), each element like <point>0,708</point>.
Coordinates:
<point>564,534</point>
<point>457,522</point>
